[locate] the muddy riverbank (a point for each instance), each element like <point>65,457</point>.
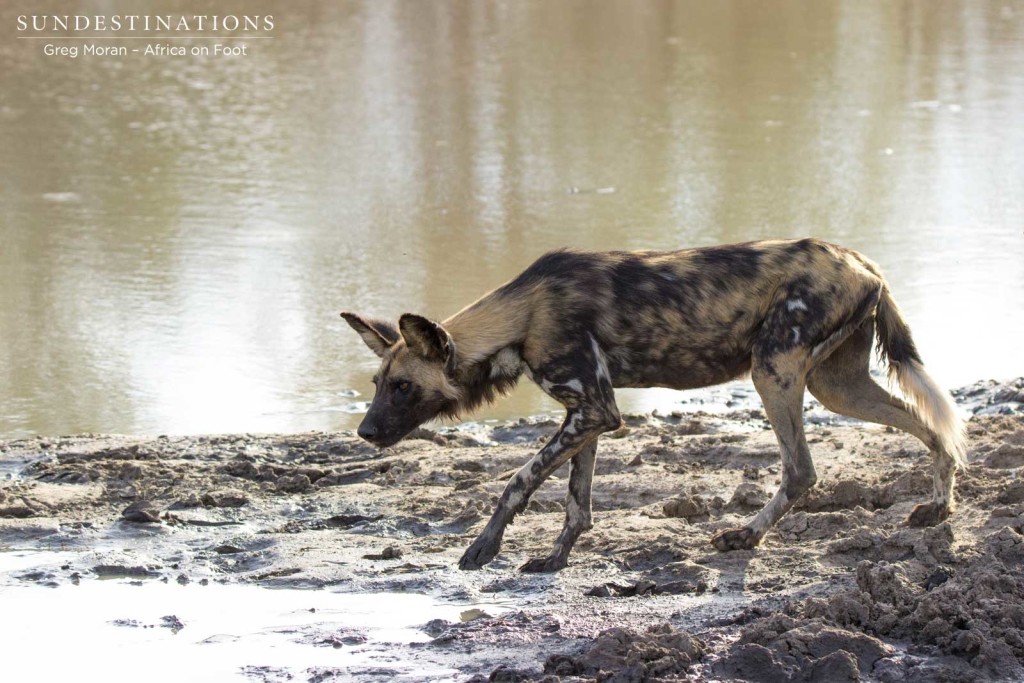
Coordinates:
<point>841,590</point>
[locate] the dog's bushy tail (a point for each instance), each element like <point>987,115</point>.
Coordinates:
<point>930,403</point>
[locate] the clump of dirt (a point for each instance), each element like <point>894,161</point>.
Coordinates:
<point>783,648</point>
<point>748,496</point>
<point>687,507</point>
<point>229,498</point>
<point>930,546</point>
<point>942,608</point>
<point>620,655</point>
<point>993,398</point>
<point>973,610</point>
<point>850,494</point>
<point>142,512</point>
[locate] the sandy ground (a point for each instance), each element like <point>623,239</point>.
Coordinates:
<point>841,590</point>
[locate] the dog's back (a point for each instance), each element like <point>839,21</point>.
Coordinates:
<point>691,318</point>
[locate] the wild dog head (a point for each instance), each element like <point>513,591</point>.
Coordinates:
<point>414,383</point>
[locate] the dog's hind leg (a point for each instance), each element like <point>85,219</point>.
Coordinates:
<point>779,380</point>
<point>843,385</point>
<point>577,512</point>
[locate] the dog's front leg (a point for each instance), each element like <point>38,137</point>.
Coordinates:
<point>566,443</point>
<point>577,512</point>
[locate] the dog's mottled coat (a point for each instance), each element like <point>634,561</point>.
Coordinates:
<point>793,314</point>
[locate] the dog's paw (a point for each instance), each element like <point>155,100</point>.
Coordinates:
<point>545,565</point>
<point>477,555</point>
<point>928,514</point>
<point>735,539</point>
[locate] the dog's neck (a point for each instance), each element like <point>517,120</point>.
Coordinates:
<point>494,322</point>
<point>488,336</point>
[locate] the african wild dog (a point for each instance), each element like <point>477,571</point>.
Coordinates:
<point>793,314</point>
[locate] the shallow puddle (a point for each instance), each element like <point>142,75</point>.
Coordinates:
<point>121,630</point>
<point>10,470</point>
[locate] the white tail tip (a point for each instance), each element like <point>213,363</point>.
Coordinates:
<point>935,408</point>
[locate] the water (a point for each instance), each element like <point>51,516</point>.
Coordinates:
<point>178,234</point>
<point>116,630</point>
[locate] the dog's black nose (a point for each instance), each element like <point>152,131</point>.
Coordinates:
<point>367,432</point>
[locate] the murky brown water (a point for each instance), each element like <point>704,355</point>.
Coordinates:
<point>177,235</point>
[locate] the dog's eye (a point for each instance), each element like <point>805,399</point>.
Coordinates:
<point>403,386</point>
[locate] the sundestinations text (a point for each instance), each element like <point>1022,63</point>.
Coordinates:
<point>126,23</point>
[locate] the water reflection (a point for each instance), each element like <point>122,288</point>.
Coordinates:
<point>178,235</point>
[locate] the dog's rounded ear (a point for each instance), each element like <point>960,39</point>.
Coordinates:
<point>378,335</point>
<point>427,339</point>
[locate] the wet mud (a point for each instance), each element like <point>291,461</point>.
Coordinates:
<point>841,590</point>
